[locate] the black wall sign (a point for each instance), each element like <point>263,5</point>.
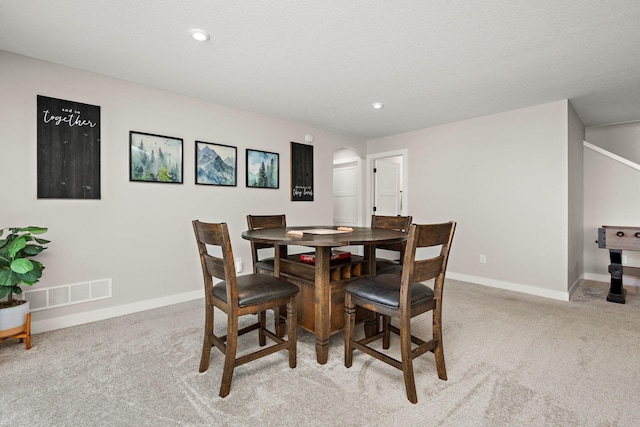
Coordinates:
<point>68,149</point>
<point>301,172</point>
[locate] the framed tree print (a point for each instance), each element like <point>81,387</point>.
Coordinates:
<point>155,158</point>
<point>216,164</point>
<point>263,169</point>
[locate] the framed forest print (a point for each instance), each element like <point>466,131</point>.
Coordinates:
<point>155,158</point>
<point>263,169</point>
<point>216,164</point>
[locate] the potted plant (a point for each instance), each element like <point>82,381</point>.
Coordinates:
<point>16,268</point>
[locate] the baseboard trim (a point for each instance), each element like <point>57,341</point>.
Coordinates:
<point>626,280</point>
<point>108,313</point>
<point>122,310</point>
<point>516,287</point>
<point>575,285</point>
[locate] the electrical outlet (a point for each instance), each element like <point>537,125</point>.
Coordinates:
<point>483,259</point>
<point>238,265</point>
<point>624,259</point>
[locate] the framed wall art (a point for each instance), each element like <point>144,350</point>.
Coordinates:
<point>301,172</point>
<point>155,158</point>
<point>263,169</point>
<point>216,164</point>
<point>68,146</point>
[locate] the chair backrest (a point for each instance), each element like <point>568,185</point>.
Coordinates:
<point>414,270</point>
<point>216,235</point>
<point>256,222</point>
<point>399,223</point>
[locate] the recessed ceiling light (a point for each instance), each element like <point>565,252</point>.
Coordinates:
<point>377,105</point>
<point>200,35</point>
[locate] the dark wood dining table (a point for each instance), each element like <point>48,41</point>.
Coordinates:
<point>321,299</point>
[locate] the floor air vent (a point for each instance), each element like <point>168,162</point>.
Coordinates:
<point>59,296</point>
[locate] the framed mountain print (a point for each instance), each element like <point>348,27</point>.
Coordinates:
<point>216,164</point>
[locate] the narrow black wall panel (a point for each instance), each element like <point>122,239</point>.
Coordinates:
<point>301,172</point>
<point>68,149</point>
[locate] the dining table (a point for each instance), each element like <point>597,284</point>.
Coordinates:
<point>320,278</point>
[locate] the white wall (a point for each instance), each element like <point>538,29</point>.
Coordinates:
<point>610,194</point>
<point>139,234</point>
<point>575,219</point>
<point>622,139</point>
<point>504,179</point>
<point>509,180</point>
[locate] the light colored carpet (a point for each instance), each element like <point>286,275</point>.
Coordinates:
<point>512,359</point>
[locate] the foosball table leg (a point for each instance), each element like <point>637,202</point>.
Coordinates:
<point>616,291</point>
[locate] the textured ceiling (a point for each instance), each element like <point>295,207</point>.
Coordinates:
<point>323,63</point>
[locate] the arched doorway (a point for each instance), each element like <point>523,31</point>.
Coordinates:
<point>348,188</point>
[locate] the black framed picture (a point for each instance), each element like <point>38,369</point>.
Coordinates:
<point>301,172</point>
<point>263,169</point>
<point>155,158</point>
<point>216,164</point>
<point>68,145</point>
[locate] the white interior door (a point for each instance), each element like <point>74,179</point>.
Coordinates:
<point>387,179</point>
<point>346,198</point>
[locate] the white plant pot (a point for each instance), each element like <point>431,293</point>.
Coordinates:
<point>13,320</point>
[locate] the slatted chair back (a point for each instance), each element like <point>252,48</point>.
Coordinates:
<point>257,222</point>
<point>398,223</point>
<point>223,268</point>
<point>421,270</point>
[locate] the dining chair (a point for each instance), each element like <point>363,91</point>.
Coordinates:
<point>237,296</point>
<point>256,222</point>
<point>399,223</point>
<point>267,264</point>
<point>403,297</point>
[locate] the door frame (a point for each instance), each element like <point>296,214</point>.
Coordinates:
<point>371,158</point>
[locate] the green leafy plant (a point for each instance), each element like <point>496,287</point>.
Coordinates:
<point>16,268</point>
